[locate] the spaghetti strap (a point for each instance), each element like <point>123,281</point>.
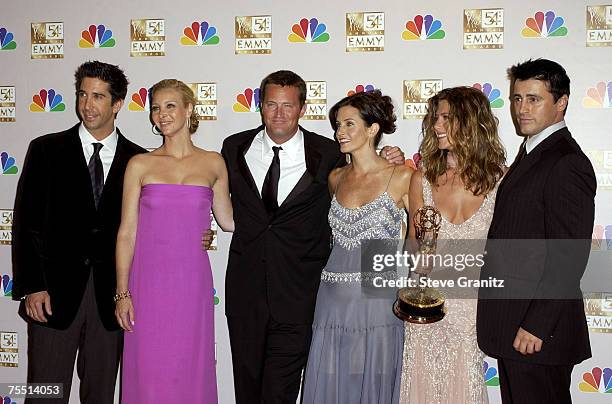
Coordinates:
<point>427,193</point>
<point>339,181</point>
<point>391,176</point>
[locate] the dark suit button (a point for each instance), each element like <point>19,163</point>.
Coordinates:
<point>86,261</point>
<point>269,226</point>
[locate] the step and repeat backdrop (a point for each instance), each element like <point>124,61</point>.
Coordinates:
<point>409,50</point>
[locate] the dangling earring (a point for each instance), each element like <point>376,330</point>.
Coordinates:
<point>189,122</point>
<point>156,130</point>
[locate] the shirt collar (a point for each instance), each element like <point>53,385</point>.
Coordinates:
<point>533,141</point>
<point>291,147</point>
<point>109,142</point>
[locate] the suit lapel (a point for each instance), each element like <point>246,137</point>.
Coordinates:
<point>117,169</point>
<point>518,170</point>
<point>313,160</point>
<point>81,172</point>
<point>513,166</point>
<point>244,167</point>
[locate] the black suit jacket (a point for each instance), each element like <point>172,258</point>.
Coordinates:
<point>548,200</point>
<point>279,256</point>
<point>58,235</point>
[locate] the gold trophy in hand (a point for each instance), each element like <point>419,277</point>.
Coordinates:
<point>421,304</point>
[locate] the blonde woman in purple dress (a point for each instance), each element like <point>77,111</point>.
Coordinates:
<point>164,282</point>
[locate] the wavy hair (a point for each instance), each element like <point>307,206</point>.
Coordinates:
<point>474,139</point>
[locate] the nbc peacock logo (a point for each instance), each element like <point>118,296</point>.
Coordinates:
<point>140,100</point>
<point>599,96</point>
<point>308,31</point>
<point>491,378</point>
<point>47,101</point>
<point>216,299</point>
<point>7,41</point>
<point>200,34</point>
<point>422,28</point>
<point>6,400</point>
<point>492,94</point>
<point>360,88</point>
<point>414,161</point>
<point>598,380</point>
<point>247,101</point>
<point>7,286</point>
<point>8,164</point>
<point>544,25</point>
<point>97,36</point>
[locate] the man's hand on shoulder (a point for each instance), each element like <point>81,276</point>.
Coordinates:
<point>393,154</point>
<point>37,304</point>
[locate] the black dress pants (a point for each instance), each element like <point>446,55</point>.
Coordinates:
<point>267,356</point>
<point>528,383</point>
<point>51,355</point>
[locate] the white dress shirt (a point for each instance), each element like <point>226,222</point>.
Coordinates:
<point>533,141</point>
<point>292,162</point>
<point>107,152</point>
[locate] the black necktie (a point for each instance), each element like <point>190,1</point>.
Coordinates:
<point>96,173</point>
<point>521,154</point>
<point>269,191</point>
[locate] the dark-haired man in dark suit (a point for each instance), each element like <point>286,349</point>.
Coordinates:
<point>545,205</point>
<point>278,182</point>
<point>67,212</point>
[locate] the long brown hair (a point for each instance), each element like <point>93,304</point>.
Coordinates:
<point>474,138</point>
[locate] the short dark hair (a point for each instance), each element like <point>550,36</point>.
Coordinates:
<point>373,107</point>
<point>283,78</point>
<point>557,80</point>
<point>111,74</point>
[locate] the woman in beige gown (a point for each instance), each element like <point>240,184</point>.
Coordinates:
<point>462,163</point>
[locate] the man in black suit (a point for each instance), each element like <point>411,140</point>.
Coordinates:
<point>66,216</point>
<point>278,182</point>
<point>545,204</point>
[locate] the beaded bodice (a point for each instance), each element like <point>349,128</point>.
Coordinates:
<point>475,227</point>
<point>378,219</point>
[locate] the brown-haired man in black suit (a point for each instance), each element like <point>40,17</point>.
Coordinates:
<point>278,182</point>
<point>545,205</point>
<point>66,217</point>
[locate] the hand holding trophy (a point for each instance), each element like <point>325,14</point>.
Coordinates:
<point>418,304</point>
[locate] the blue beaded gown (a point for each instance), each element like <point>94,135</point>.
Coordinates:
<point>356,351</point>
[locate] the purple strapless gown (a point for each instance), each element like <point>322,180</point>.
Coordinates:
<point>170,355</point>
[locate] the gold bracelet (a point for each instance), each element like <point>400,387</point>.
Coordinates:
<point>122,295</point>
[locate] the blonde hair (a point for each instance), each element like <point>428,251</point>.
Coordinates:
<point>474,138</point>
<point>186,95</point>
